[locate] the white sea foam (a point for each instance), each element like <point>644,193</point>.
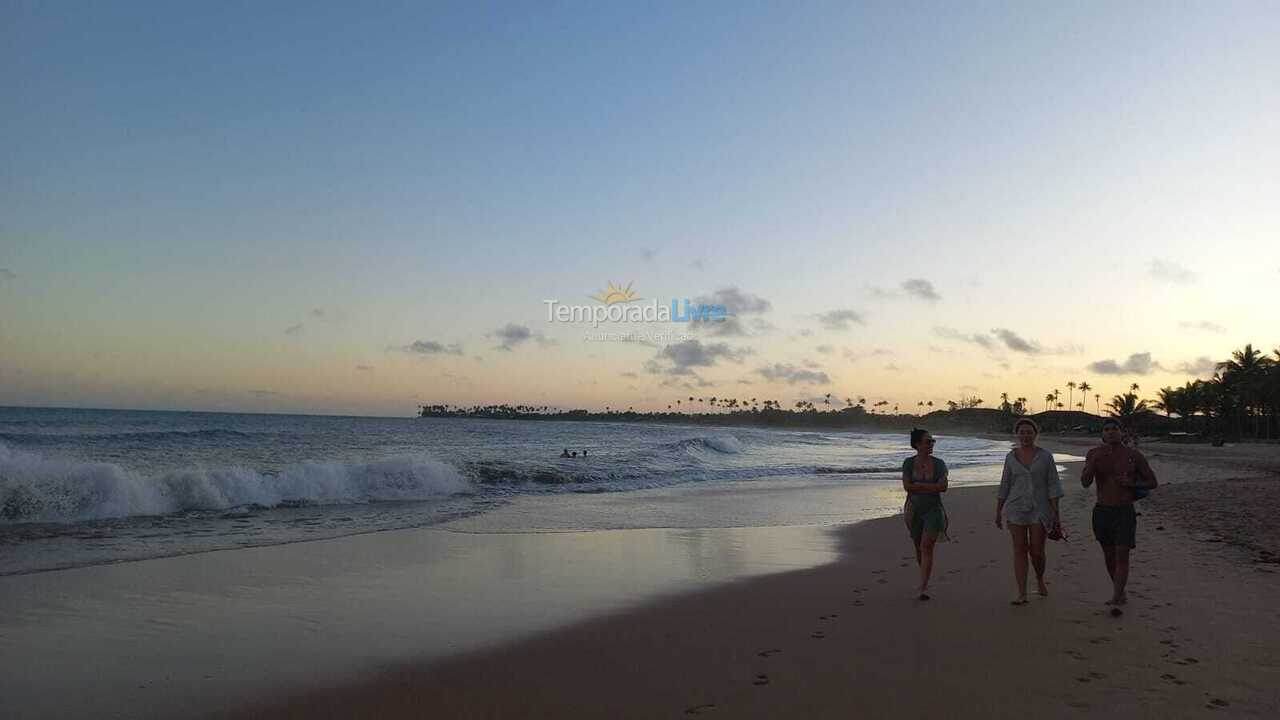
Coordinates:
<point>34,488</point>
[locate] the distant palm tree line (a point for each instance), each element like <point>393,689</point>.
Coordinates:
<point>1242,398</point>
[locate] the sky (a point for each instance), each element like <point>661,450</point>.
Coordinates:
<point>327,208</point>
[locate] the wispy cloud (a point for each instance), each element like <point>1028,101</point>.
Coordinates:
<point>921,288</point>
<point>693,353</point>
<point>364,368</point>
<point>1137,364</point>
<point>1203,325</point>
<point>432,347</point>
<point>293,329</point>
<point>7,274</point>
<point>824,349</point>
<point>737,305</point>
<point>792,375</point>
<point>1202,366</point>
<point>1170,271</point>
<point>840,319</point>
<point>1016,342</point>
<point>512,335</point>
<point>855,355</point>
<point>947,333</point>
<point>263,393</point>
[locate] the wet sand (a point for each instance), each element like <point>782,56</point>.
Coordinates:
<point>849,639</point>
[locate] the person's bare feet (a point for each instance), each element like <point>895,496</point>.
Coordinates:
<point>1022,600</point>
<point>1043,587</point>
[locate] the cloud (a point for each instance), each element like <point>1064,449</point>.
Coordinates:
<point>1137,364</point>
<point>840,319</point>
<point>364,368</point>
<point>692,353</point>
<point>512,335</point>
<point>855,355</point>
<point>630,375</point>
<point>1016,342</point>
<point>792,375</point>
<point>1170,271</point>
<point>263,393</point>
<point>432,347</point>
<point>736,304</point>
<point>293,329</point>
<point>648,254</point>
<point>1200,367</point>
<point>1204,325</point>
<point>825,349</point>
<point>317,312</point>
<point>921,288</point>
<point>953,334</point>
<point>7,274</point>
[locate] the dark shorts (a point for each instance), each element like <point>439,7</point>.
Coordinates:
<point>1115,525</point>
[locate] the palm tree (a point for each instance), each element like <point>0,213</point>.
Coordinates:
<point>1084,388</point>
<point>1071,387</point>
<point>1126,406</point>
<point>1133,388</point>
<point>1097,402</point>
<point>1048,398</point>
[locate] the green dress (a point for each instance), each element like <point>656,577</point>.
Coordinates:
<point>924,511</point>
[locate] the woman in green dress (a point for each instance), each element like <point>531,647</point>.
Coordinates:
<point>924,477</point>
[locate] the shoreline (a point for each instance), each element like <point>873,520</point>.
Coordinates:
<point>847,638</point>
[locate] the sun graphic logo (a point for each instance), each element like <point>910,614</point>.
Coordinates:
<point>613,295</point>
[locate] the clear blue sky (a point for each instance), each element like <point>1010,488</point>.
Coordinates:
<point>232,206</point>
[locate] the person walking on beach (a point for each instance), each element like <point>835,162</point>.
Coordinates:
<point>1028,502</point>
<point>924,477</point>
<point>1122,475</point>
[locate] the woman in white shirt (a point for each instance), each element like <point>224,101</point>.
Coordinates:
<point>1028,502</point>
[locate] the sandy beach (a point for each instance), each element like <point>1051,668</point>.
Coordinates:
<point>847,639</point>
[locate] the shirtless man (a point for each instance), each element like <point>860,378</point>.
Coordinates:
<point>1118,470</point>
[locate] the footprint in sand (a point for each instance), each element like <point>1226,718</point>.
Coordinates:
<point>699,709</point>
<point>760,679</point>
<point>768,653</point>
<point>1169,676</point>
<point>1216,703</point>
<point>818,635</point>
<point>1100,639</point>
<point>1076,655</point>
<point>882,581</point>
<point>1097,676</point>
<point>1187,661</point>
<point>857,603</point>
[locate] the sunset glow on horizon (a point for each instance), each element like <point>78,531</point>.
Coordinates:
<point>342,211</point>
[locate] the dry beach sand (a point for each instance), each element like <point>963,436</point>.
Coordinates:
<point>1200,637</point>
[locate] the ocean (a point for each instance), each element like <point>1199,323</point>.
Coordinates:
<point>88,487</point>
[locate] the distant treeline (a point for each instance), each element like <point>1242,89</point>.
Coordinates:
<point>1240,401</point>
